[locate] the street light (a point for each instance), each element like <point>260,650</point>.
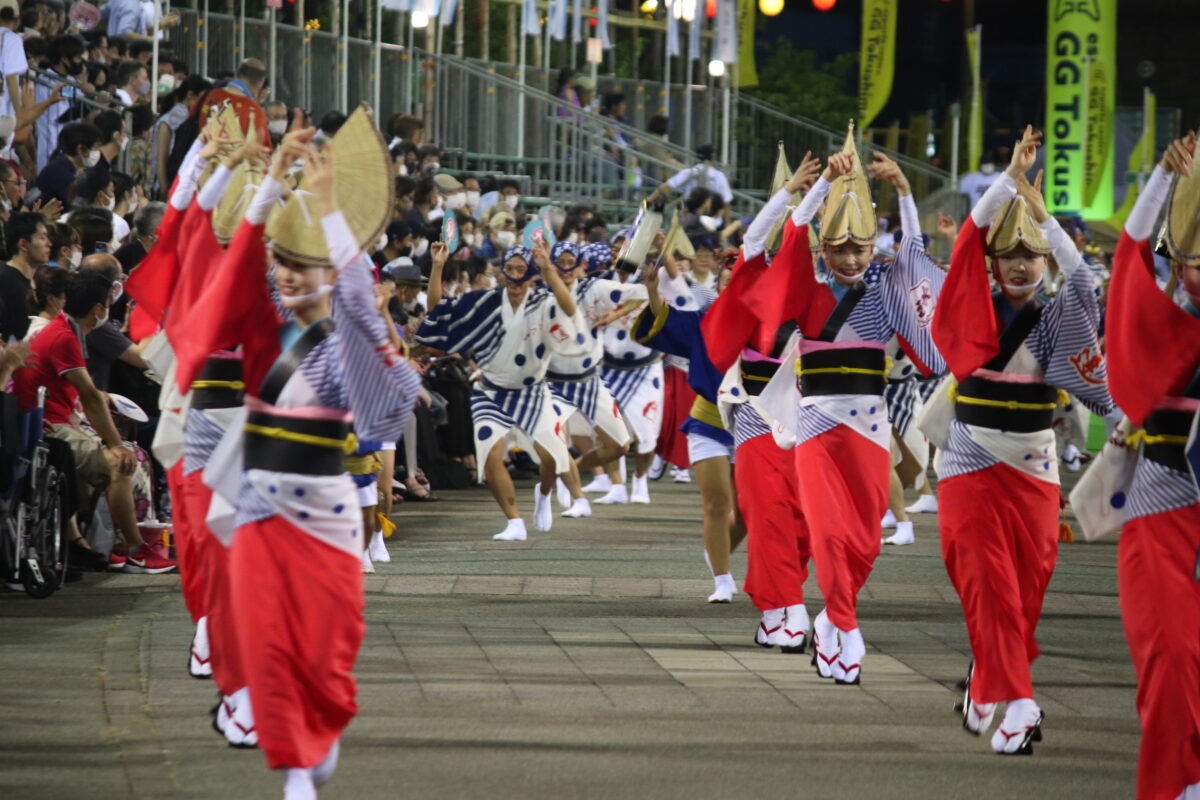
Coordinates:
<point>420,19</point>
<point>716,68</point>
<point>770,8</point>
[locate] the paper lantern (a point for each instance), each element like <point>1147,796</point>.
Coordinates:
<point>770,7</point>
<point>824,5</point>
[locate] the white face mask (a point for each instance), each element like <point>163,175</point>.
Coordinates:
<point>456,201</point>
<point>304,300</point>
<point>103,319</point>
<point>573,238</point>
<point>76,257</point>
<point>124,144</point>
<point>133,205</point>
<point>277,127</point>
<point>511,200</point>
<point>491,281</point>
<point>987,169</point>
<point>420,248</point>
<point>710,223</point>
<point>92,158</point>
<point>472,198</point>
<point>506,239</point>
<point>110,203</point>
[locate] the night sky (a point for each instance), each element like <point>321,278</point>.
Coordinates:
<point>1159,38</point>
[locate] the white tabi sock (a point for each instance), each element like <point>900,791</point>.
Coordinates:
<point>641,490</point>
<point>368,567</point>
<point>298,785</point>
<point>889,520</point>
<point>599,485</point>
<point>926,504</point>
<point>617,495</point>
<point>543,513</point>
<point>514,532</point>
<point>903,534</point>
<point>1019,719</point>
<point>198,663</point>
<point>378,550</point>
<point>580,508</point>
<point>725,589</point>
<point>564,494</point>
<point>322,772</point>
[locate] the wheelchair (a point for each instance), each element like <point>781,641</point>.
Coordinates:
<point>33,527</point>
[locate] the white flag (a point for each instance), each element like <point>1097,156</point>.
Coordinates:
<point>449,7</point>
<point>672,28</point>
<point>727,40</point>
<point>577,22</point>
<point>694,36</point>
<point>602,24</point>
<point>558,20</point>
<point>529,19</point>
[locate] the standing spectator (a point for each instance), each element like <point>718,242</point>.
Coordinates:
<point>133,80</point>
<point>277,120</point>
<point>399,243</point>
<point>141,120</point>
<point>65,62</point>
<point>703,176</point>
<point>565,90</point>
<point>12,61</point>
<point>113,139</point>
<point>78,148</point>
<point>30,246</point>
<point>404,129</point>
<point>123,18</point>
<point>243,92</point>
<point>186,97</point>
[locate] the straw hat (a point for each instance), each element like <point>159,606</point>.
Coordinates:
<point>1013,228</point>
<point>1183,220</point>
<point>225,123</point>
<point>364,195</point>
<point>232,208</point>
<point>848,215</point>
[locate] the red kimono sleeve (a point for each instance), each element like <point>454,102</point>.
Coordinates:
<point>729,324</point>
<point>1152,345</point>
<point>964,327</point>
<point>200,253</point>
<point>789,289</point>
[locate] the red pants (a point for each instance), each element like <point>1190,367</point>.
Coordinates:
<point>191,571</point>
<point>843,482</point>
<point>777,544</point>
<point>1160,606</point>
<point>1000,543</point>
<point>218,604</point>
<point>678,397</point>
<point>299,626</point>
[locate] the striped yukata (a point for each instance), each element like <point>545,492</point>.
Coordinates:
<point>512,348</point>
<point>999,492</point>
<point>575,379</point>
<point>1154,371</point>
<point>633,374</point>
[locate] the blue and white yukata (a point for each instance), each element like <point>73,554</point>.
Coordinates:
<point>633,374</point>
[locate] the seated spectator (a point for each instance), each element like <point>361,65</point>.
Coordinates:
<point>408,290</point>
<point>102,461</point>
<point>398,242</point>
<point>64,246</point>
<point>142,51</point>
<point>30,246</point>
<point>95,229</point>
<point>143,236</point>
<point>471,185</point>
<point>78,148</point>
<point>48,297</point>
<point>425,198</point>
<point>330,124</point>
<point>406,187</point>
<point>96,41</point>
<point>132,81</point>
<point>501,234</point>
<point>98,77</point>
<point>453,196</point>
<point>113,138</point>
<point>105,343</point>
<point>12,188</point>
<point>116,50</point>
<point>94,188</point>
<point>429,159</point>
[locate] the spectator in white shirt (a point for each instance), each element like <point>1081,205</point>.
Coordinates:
<point>12,57</point>
<point>65,56</point>
<point>974,184</point>
<point>134,82</point>
<point>704,175</point>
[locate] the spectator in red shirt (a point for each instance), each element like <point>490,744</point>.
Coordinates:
<point>102,460</point>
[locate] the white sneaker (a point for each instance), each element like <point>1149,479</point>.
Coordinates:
<point>580,508</point>
<point>794,634</point>
<point>323,771</point>
<point>1022,725</point>
<point>725,589</point>
<point>889,520</point>
<point>769,627</point>
<point>515,532</point>
<point>641,490</point>
<point>926,504</point>
<point>239,731</point>
<point>681,475</point>
<point>298,785</point>
<point>848,668</point>
<point>378,549</point>
<point>564,494</point>
<point>617,495</point>
<point>600,484</point>
<point>368,567</point>
<point>657,468</point>
<point>543,512</point>
<point>903,534</point>
<point>199,666</point>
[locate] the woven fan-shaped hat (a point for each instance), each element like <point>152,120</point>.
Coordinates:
<point>226,124</point>
<point>1013,228</point>
<point>849,215</point>
<point>363,172</point>
<point>1183,219</point>
<point>238,193</point>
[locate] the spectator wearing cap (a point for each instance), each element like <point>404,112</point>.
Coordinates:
<point>454,195</point>
<point>501,235</point>
<point>409,283</point>
<point>703,175</point>
<point>397,242</point>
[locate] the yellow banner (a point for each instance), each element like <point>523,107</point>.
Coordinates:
<point>975,112</point>
<point>1096,144</point>
<point>877,58</point>
<point>1141,162</point>
<point>747,72</point>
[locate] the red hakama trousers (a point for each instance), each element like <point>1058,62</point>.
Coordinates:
<point>678,398</point>
<point>299,626</point>
<point>1160,606</point>
<point>777,542</point>
<point>999,531</point>
<point>218,604</point>
<point>191,569</point>
<point>843,482</point>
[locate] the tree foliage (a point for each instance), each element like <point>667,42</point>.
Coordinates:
<point>793,81</point>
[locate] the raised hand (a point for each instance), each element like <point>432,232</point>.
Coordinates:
<point>439,253</point>
<point>884,169</point>
<point>1025,152</point>
<point>292,148</point>
<point>805,175</point>
<point>839,164</point>
<point>1180,155</point>
<point>320,178</point>
<point>946,226</point>
<point>1032,192</point>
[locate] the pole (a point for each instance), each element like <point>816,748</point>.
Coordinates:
<point>158,14</point>
<point>687,92</point>
<point>521,95</point>
<point>204,42</point>
<point>377,63</point>
<point>1147,145</point>
<point>955,120</point>
<point>272,52</point>
<point>344,62</point>
<point>725,104</point>
<point>408,66</point>
<point>666,103</point>
<point>241,32</point>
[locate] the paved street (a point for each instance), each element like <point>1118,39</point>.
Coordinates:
<point>583,663</point>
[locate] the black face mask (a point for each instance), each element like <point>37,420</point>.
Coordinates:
<point>75,67</point>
